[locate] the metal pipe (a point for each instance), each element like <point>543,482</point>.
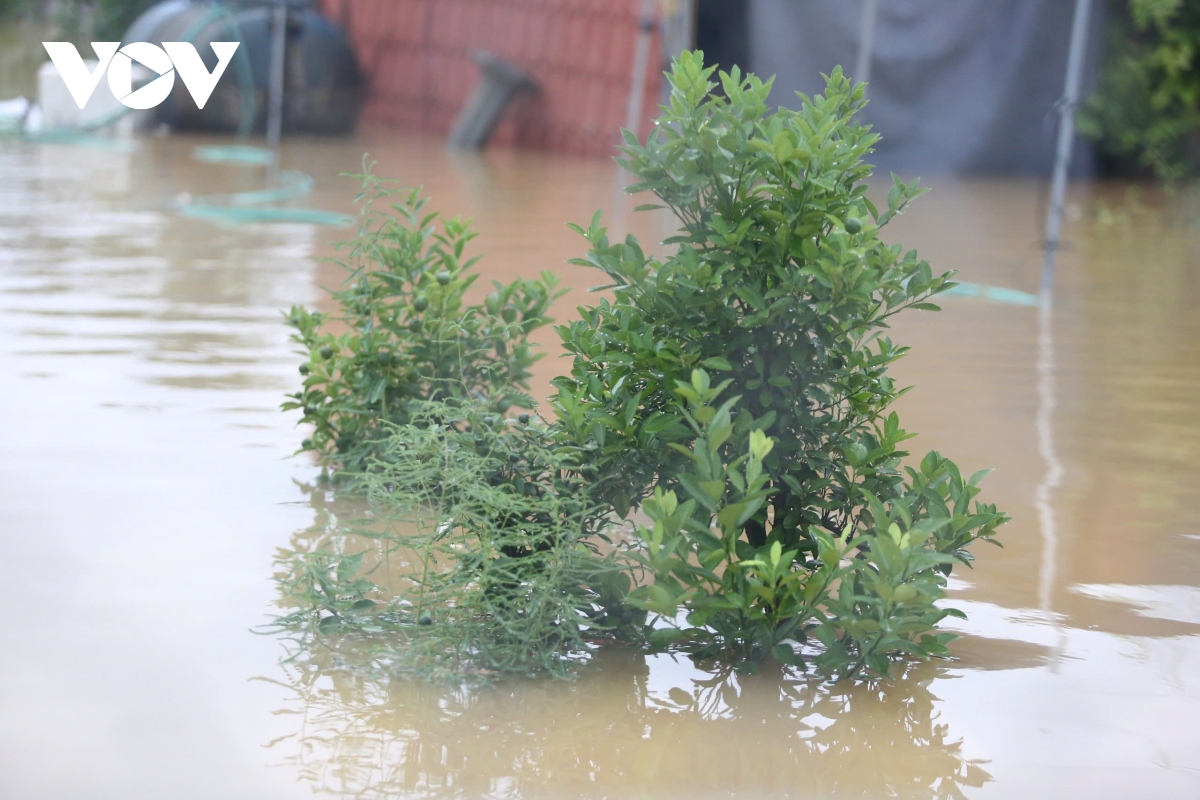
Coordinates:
<point>499,83</point>
<point>641,60</point>
<point>279,16</point>
<point>866,41</point>
<point>1066,136</point>
<point>637,98</point>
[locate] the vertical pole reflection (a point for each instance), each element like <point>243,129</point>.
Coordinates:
<point>1044,425</point>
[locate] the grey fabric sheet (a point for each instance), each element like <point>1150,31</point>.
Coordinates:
<point>956,86</point>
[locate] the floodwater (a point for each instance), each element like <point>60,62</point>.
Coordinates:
<point>147,484</point>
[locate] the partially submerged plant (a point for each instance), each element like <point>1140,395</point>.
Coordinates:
<point>778,281</point>
<point>503,571</point>
<point>867,595</point>
<point>783,521</point>
<point>405,331</point>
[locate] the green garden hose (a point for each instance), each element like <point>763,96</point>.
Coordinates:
<point>997,294</point>
<point>234,154</point>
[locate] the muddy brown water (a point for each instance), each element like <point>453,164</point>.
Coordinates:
<point>147,484</point>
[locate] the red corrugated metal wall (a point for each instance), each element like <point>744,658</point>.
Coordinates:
<point>417,58</point>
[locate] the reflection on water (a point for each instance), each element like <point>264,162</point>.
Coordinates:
<point>95,270</point>
<point>146,485</point>
<point>1044,425</point>
<point>1179,603</point>
<point>632,727</point>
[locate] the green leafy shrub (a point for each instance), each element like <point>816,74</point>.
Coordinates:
<point>503,571</point>
<point>865,595</point>
<point>406,333</point>
<point>1146,106</point>
<point>783,521</point>
<point>779,281</point>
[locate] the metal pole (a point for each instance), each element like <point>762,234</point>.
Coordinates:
<point>275,98</point>
<point>866,41</point>
<point>1066,136</point>
<point>637,97</point>
<point>641,60</point>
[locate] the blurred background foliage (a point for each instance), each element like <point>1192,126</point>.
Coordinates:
<point>1145,111</point>
<point>107,20</point>
<point>111,18</point>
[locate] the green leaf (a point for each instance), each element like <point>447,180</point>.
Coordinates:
<point>978,477</point>
<point>856,454</point>
<point>782,148</point>
<point>655,598</point>
<point>785,654</point>
<point>348,567</point>
<point>714,490</point>
<point>696,490</point>
<point>733,516</point>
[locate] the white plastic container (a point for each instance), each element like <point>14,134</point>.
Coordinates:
<point>59,111</point>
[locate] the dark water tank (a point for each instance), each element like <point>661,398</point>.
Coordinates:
<point>323,86</point>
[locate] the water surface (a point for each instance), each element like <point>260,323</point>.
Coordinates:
<point>147,484</point>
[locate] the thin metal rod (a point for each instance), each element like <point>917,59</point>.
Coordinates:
<point>641,61</point>
<point>637,98</point>
<point>1066,137</point>
<point>275,98</point>
<point>866,41</point>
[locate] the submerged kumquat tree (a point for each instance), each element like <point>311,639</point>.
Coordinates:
<point>785,479</point>
<point>737,391</point>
